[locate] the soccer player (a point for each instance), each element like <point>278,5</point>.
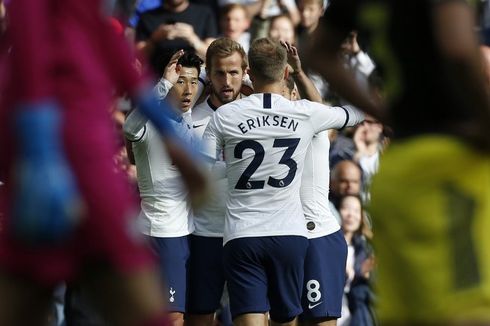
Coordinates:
<point>165,207</point>
<point>325,260</point>
<point>430,201</point>
<point>226,68</point>
<point>265,139</point>
<point>63,67</point>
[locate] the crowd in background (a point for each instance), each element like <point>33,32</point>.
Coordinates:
<point>160,28</point>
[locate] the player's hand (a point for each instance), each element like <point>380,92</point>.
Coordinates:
<point>293,57</point>
<point>359,141</point>
<point>47,207</point>
<point>172,70</point>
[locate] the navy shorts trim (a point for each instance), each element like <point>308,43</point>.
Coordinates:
<point>265,274</point>
<point>173,258</point>
<point>206,275</point>
<point>324,280</point>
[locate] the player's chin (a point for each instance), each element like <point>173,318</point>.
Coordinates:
<point>227,98</point>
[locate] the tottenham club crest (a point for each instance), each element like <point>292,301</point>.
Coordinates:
<point>172,292</point>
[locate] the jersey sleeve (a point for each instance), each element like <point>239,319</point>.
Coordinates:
<point>135,126</point>
<point>212,140</point>
<point>162,88</point>
<point>324,117</point>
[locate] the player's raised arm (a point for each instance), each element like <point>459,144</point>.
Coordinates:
<point>324,57</point>
<point>306,88</point>
<point>337,117</point>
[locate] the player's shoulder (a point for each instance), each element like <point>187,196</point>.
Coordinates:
<point>233,108</point>
<point>202,110</point>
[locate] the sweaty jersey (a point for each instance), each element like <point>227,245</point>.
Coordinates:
<point>165,208</point>
<point>315,185</point>
<point>209,220</point>
<point>265,139</point>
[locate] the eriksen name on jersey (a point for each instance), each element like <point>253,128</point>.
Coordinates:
<point>267,120</point>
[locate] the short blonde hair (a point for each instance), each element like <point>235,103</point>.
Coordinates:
<point>224,47</point>
<point>268,60</point>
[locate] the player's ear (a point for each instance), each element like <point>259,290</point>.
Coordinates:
<point>286,72</point>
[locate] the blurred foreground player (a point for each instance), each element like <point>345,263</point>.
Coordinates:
<point>431,200</point>
<point>57,147</point>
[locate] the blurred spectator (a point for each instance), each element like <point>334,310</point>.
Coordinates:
<point>367,139</point>
<point>360,261</point>
<point>234,22</point>
<point>176,24</point>
<point>282,28</point>
<point>356,59</point>
<point>262,10</point>
<point>310,13</point>
<point>346,180</point>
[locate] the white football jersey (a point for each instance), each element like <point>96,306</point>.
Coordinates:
<point>265,139</point>
<point>209,220</point>
<point>165,208</point>
<point>315,185</point>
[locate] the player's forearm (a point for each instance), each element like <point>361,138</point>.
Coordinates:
<point>306,88</point>
<point>345,84</point>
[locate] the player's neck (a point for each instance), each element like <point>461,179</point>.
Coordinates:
<point>214,101</point>
<point>274,88</point>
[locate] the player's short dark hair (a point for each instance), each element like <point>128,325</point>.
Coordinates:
<point>191,60</point>
<point>267,60</point>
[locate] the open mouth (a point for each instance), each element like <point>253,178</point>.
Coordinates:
<point>186,102</point>
<point>227,92</point>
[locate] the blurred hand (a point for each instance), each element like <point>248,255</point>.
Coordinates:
<point>359,140</point>
<point>367,267</point>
